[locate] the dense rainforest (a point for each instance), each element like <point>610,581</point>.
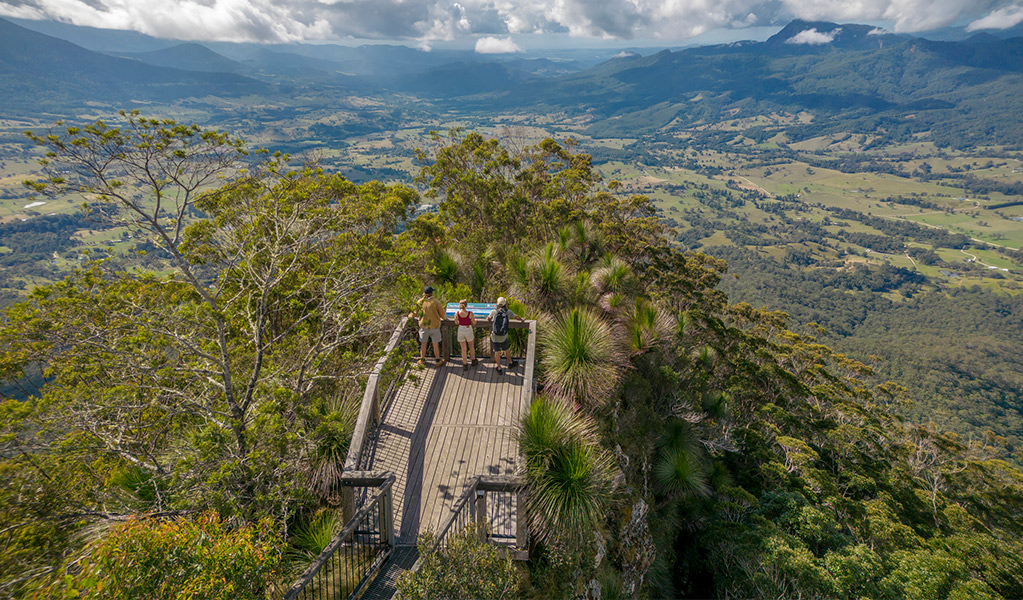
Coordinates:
<point>195,409</point>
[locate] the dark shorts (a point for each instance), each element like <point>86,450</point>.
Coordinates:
<point>500,346</point>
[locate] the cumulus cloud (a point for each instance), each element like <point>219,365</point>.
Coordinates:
<point>812,37</point>
<point>493,45</point>
<point>432,20</point>
<point>1002,18</point>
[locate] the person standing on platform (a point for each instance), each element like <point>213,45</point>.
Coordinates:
<point>466,337</point>
<point>432,315</point>
<point>500,319</point>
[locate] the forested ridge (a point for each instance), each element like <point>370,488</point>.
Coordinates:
<point>953,349</point>
<point>195,414</point>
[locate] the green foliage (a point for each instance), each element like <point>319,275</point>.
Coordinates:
<point>184,558</point>
<point>568,474</point>
<point>681,466</point>
<point>469,568</point>
<point>579,358</point>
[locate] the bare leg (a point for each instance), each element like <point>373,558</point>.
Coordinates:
<point>422,351</point>
<point>436,352</point>
<point>463,343</point>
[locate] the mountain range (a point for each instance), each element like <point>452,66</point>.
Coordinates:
<point>858,76</point>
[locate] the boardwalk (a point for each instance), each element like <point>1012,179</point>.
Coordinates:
<point>434,449</point>
<point>444,427</point>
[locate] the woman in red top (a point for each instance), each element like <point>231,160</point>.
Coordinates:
<point>466,321</point>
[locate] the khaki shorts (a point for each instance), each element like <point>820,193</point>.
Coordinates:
<point>429,335</point>
<point>465,333</point>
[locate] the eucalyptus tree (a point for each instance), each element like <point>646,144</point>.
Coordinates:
<point>217,374</point>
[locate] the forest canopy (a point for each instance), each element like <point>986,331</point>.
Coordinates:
<point>680,446</point>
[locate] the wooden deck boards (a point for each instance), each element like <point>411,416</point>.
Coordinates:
<point>444,427</point>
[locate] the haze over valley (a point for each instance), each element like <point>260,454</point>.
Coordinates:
<point>866,181</point>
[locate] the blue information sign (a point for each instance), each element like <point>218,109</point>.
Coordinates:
<point>482,310</point>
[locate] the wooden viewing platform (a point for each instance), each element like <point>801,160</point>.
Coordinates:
<point>444,427</point>
<point>427,438</point>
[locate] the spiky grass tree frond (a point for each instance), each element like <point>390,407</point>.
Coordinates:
<point>548,425</point>
<point>579,362</point>
<point>612,303</point>
<point>682,467</point>
<point>683,472</point>
<point>549,279</point>
<point>643,327</point>
<point>569,476</point>
<point>446,268</point>
<point>582,289</point>
<point>518,275</point>
<point>332,437</point>
<point>587,245</point>
<point>706,355</point>
<point>478,280</point>
<point>570,496</point>
<point>314,534</point>
<point>564,238</point>
<point>541,432</point>
<point>716,404</point>
<point>613,276</point>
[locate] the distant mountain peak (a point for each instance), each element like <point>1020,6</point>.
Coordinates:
<point>828,34</point>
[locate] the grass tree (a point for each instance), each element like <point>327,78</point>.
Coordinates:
<point>549,278</point>
<point>580,361</point>
<point>542,280</point>
<point>567,472</point>
<point>612,276</point>
<point>643,325</point>
<point>681,468</point>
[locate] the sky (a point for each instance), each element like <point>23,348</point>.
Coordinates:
<point>501,26</point>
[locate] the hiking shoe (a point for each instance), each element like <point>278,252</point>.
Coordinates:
<point>499,369</point>
<point>421,362</point>
<point>442,362</point>
<point>475,362</point>
<point>465,366</point>
<point>513,364</point>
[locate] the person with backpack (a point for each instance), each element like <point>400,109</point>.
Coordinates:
<point>500,319</point>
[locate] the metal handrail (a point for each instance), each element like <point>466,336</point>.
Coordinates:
<point>380,501</point>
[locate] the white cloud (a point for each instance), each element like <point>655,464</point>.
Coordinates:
<point>1002,18</point>
<point>813,37</point>
<point>878,31</point>
<point>493,45</point>
<point>427,21</point>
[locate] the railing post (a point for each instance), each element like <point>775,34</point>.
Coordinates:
<point>347,502</point>
<point>445,341</point>
<point>387,518</point>
<point>481,511</point>
<point>521,526</point>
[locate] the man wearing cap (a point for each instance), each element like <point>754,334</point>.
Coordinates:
<point>499,340</point>
<point>429,325</point>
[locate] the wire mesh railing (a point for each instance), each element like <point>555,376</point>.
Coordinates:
<point>347,565</point>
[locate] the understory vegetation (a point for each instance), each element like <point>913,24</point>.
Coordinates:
<point>680,446</point>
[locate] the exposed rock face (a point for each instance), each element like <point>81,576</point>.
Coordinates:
<point>635,549</point>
